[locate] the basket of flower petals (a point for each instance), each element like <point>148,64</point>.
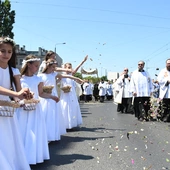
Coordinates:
<point>66,88</point>
<point>29,105</point>
<point>7,108</point>
<point>48,89</point>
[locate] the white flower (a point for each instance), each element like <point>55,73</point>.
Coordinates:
<point>7,39</point>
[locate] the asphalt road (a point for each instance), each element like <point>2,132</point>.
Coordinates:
<point>108,140</point>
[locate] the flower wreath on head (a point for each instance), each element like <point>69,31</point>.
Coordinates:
<point>24,62</point>
<point>52,62</point>
<point>8,40</point>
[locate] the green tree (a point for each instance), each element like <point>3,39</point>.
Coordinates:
<point>93,79</point>
<point>79,75</point>
<point>104,78</point>
<point>7,19</point>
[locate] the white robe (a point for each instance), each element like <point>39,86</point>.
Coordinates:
<point>53,116</point>
<point>109,89</point>
<point>163,77</point>
<point>102,89</point>
<point>141,84</point>
<point>12,153</point>
<point>32,126</point>
<point>86,88</point>
<point>125,85</point>
<point>70,106</point>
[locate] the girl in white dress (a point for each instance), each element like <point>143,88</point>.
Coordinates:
<point>32,123</point>
<point>12,153</point>
<point>69,103</point>
<point>54,119</point>
<point>51,55</point>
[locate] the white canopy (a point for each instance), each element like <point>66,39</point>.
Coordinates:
<point>92,71</point>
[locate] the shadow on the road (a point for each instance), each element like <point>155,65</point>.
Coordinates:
<point>58,160</point>
<point>70,139</point>
<point>56,148</point>
<point>85,112</point>
<point>99,130</point>
<point>67,159</point>
<point>84,108</point>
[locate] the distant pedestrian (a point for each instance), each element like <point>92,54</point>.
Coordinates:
<point>87,91</point>
<point>96,91</point>
<point>102,90</point>
<point>109,90</point>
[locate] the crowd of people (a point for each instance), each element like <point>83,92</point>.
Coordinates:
<point>42,116</point>
<point>147,98</point>
<point>136,93</point>
<point>97,91</point>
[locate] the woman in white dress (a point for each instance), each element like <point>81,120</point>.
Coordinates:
<point>69,102</point>
<point>53,114</point>
<point>31,122</point>
<point>12,153</point>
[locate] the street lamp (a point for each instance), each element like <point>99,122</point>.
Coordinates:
<point>58,44</point>
<point>105,69</point>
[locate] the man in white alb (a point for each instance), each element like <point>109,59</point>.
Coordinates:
<point>141,88</point>
<point>123,82</point>
<point>164,82</point>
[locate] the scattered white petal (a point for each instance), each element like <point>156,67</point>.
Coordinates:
<point>92,147</point>
<point>110,155</point>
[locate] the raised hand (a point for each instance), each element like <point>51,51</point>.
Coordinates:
<point>86,58</point>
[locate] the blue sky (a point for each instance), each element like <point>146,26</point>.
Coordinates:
<point>114,33</point>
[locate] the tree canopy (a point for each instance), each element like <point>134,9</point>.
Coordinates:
<point>7,19</point>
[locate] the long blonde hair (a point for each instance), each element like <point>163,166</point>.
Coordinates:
<point>28,59</point>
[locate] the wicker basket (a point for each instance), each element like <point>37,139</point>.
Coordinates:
<point>7,108</point>
<point>48,89</point>
<point>30,104</point>
<point>66,89</point>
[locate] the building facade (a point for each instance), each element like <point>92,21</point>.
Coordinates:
<point>41,53</point>
<point>112,76</point>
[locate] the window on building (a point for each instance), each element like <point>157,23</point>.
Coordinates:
<point>20,61</point>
